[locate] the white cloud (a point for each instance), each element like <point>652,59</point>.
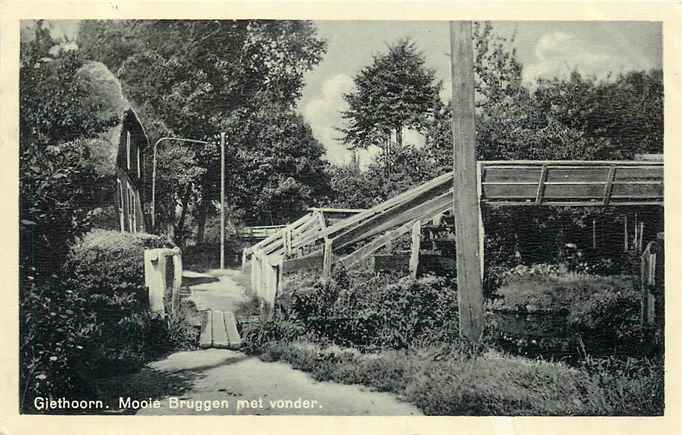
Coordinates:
<point>559,53</point>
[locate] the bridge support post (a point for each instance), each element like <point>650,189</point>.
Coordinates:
<point>416,246</point>
<point>328,259</point>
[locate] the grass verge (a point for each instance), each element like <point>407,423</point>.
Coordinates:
<point>456,379</point>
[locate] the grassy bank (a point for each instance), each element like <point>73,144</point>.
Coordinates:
<point>458,380</point>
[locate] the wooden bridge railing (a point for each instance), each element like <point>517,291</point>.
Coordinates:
<point>571,183</point>
<point>317,242</point>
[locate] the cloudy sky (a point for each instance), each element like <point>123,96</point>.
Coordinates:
<point>546,49</point>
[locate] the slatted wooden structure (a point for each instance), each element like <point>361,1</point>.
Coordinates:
<point>327,237</point>
<point>260,232</point>
<point>265,258</point>
<point>574,183</point>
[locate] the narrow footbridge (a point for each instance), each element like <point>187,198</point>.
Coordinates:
<point>324,238</point>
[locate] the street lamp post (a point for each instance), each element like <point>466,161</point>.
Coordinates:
<point>222,187</point>
<point>222,201</point>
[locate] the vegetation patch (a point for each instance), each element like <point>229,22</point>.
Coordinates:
<point>372,311</point>
<point>93,321</point>
<point>457,379</point>
<point>601,312</point>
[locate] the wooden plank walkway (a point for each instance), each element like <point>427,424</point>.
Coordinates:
<point>219,330</point>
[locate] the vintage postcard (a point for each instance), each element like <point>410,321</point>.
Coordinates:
<point>324,211</point>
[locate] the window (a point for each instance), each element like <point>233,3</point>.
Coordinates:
<point>121,204</point>
<point>139,173</point>
<point>128,147</point>
<point>131,209</point>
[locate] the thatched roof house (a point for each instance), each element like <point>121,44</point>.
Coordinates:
<point>121,150</point>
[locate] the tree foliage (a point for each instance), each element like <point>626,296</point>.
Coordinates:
<point>58,180</point>
<point>396,91</point>
<point>60,189</point>
<point>619,116</point>
<point>577,118</point>
<point>198,78</point>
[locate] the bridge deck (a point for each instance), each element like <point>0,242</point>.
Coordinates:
<point>571,183</point>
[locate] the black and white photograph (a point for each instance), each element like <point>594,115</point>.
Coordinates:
<point>258,217</point>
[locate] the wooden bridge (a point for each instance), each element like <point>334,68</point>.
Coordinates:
<point>326,237</point>
<point>259,232</point>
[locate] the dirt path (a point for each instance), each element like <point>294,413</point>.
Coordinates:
<point>225,382</point>
<point>216,290</point>
<point>240,384</point>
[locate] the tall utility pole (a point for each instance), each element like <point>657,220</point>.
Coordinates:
<point>466,202</point>
<point>222,201</point>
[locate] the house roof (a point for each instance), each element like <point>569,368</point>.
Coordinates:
<point>105,90</point>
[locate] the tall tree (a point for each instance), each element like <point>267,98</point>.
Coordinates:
<point>621,116</point>
<point>283,172</point>
<point>396,91</point>
<point>58,179</point>
<point>198,78</point>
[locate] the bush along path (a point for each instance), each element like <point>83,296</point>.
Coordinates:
<point>226,382</point>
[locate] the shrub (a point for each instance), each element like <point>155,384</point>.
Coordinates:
<point>182,334</point>
<point>370,310</point>
<point>107,268</point>
<point>256,336</point>
<point>410,309</point>
<point>124,345</point>
<point>55,328</point>
<point>109,265</point>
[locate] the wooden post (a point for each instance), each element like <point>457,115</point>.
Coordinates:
<point>466,202</point>
<point>643,294</point>
<point>289,235</point>
<point>625,234</point>
<point>641,236</point>
<point>416,245</point>
<point>328,259</point>
<point>481,227</point>
<point>286,241</point>
<point>594,233</point>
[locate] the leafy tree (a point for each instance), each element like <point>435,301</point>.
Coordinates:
<point>394,92</point>
<point>620,117</point>
<point>197,78</point>
<point>284,172</point>
<point>352,189</point>
<point>178,174</point>
<point>58,180</point>
<point>59,189</point>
